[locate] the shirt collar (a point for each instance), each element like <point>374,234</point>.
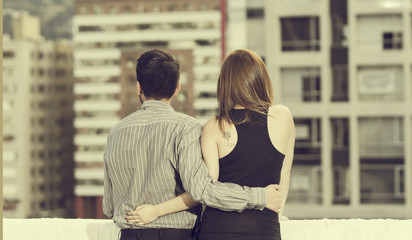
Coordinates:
<point>156,104</point>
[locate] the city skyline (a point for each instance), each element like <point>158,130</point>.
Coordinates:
<point>342,68</point>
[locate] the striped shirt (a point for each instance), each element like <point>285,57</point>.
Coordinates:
<point>154,155</point>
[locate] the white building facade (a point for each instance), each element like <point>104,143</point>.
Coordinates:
<point>37,123</point>
<point>344,70</point>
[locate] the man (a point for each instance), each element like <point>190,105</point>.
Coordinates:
<point>154,155</point>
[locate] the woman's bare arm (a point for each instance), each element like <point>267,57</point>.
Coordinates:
<point>285,172</point>
<point>147,213</point>
<point>283,138</point>
<point>210,149</point>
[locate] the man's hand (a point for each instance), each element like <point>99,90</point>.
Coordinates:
<point>274,197</point>
<point>143,214</point>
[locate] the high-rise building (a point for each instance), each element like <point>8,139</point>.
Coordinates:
<point>108,36</point>
<point>344,69</point>
<point>37,123</point>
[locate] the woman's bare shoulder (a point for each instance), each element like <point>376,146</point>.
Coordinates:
<point>211,123</point>
<point>211,126</point>
<point>280,112</point>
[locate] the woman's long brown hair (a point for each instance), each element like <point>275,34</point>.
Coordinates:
<point>243,80</point>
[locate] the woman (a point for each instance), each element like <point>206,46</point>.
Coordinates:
<point>250,142</point>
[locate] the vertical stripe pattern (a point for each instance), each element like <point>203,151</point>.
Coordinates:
<point>154,155</point>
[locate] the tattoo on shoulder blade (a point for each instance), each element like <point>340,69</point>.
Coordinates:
<point>228,139</point>
<point>227,135</point>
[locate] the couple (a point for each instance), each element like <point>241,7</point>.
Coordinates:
<point>154,175</point>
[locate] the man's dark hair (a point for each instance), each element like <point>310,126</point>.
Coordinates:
<point>158,73</point>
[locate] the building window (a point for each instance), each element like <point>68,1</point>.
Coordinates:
<point>61,203</point>
<point>340,139</point>
<point>306,176</point>
<point>41,139</point>
<point>157,7</point>
<point>126,9</point>
<point>301,84</point>
<point>182,97</point>
<point>41,88</point>
<point>130,63</point>
<point>61,57</point>
<point>41,72</point>
<point>8,105</point>
<point>132,79</point>
<point>8,138</point>
<point>97,9</point>
<point>172,7</point>
<point>340,160</point>
<point>311,88</point>
<point>382,183</point>
<point>305,185</point>
<point>8,71</point>
<point>8,122</point>
<point>203,7</point>
<point>392,40</point>
<point>8,54</point>
<point>141,7</point>
<point>42,187</point>
<point>114,9</point>
<point>61,73</point>
<point>188,6</point>
<point>43,205</point>
<point>383,83</point>
<point>308,141</point>
<point>379,32</point>
<point>9,88</point>
<point>381,138</point>
<point>340,84</point>
<point>382,160</point>
<point>339,25</point>
<point>89,28</point>
<point>256,13</point>
<point>83,10</point>
<point>300,34</point>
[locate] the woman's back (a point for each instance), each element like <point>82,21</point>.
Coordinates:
<point>249,158</point>
<point>254,161</point>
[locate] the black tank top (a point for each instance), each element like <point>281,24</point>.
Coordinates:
<point>253,162</point>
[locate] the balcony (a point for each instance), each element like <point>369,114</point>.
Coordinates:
<point>93,88</point>
<point>94,106</point>
<point>99,71</point>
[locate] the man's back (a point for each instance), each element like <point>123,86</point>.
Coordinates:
<point>142,163</point>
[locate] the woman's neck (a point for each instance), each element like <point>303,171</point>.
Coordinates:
<point>237,106</point>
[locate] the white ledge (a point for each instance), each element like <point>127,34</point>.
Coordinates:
<point>92,229</point>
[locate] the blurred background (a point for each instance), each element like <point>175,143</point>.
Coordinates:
<point>343,67</point>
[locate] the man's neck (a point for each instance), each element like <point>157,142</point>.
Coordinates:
<point>165,100</point>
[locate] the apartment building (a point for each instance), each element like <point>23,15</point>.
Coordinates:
<point>109,36</point>
<point>344,69</point>
<point>37,123</point>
